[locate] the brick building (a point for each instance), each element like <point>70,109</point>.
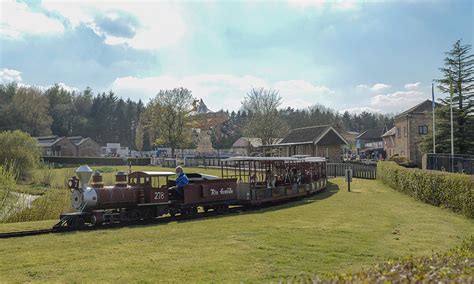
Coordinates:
<point>369,144</point>
<point>85,146</point>
<point>319,141</point>
<point>410,128</point>
<point>54,145</point>
<point>76,146</point>
<point>389,142</point>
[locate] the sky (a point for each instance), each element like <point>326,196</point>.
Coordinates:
<point>379,56</point>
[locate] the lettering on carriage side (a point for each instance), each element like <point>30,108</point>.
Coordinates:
<point>222,191</point>
<point>159,195</point>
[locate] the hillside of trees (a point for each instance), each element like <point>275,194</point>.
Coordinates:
<point>107,118</point>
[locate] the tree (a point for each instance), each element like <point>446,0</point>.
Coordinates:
<point>458,78</point>
<point>264,121</point>
<point>19,149</point>
<point>30,110</point>
<point>167,118</point>
<point>61,110</point>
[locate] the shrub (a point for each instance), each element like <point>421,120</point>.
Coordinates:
<point>20,148</point>
<point>450,190</point>
<point>454,266</point>
<point>7,186</point>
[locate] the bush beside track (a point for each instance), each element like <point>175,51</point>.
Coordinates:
<point>453,191</point>
<point>456,265</point>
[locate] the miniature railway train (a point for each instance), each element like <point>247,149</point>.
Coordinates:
<point>145,195</point>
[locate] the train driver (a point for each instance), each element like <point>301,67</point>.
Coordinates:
<point>181,181</point>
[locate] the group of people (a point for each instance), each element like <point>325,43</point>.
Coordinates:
<point>291,176</point>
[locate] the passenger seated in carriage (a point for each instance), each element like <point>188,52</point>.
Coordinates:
<point>177,191</point>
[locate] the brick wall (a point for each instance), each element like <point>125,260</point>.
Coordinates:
<point>407,136</point>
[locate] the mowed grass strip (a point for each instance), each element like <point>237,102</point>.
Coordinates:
<point>334,231</point>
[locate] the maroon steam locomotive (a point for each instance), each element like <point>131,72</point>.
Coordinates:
<point>145,195</point>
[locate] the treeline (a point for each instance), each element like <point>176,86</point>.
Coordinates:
<point>104,117</point>
<point>234,128</point>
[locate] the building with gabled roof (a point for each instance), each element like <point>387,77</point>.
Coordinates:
<point>411,126</point>
<point>316,141</point>
<point>85,146</point>
<point>53,145</point>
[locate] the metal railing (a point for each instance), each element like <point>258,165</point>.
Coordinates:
<point>358,171</point>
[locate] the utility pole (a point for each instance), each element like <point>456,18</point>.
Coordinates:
<point>434,126</point>
<point>452,131</point>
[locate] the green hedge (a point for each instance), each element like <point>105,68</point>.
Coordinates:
<point>98,161</point>
<point>453,191</point>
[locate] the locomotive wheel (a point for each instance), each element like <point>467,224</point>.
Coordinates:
<point>173,211</point>
<point>135,215</point>
<point>148,214</point>
<point>189,212</point>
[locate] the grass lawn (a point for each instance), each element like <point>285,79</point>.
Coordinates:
<point>334,231</point>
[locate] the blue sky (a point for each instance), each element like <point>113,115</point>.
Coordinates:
<point>347,55</point>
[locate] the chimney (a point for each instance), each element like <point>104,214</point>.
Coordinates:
<point>84,173</point>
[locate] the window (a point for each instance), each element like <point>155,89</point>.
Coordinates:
<point>398,131</point>
<point>405,132</point>
<point>422,129</point>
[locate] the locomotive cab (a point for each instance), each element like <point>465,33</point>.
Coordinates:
<point>153,186</point>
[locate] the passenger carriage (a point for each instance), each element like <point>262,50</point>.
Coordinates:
<point>273,179</point>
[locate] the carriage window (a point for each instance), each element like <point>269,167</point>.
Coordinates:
<point>155,182</point>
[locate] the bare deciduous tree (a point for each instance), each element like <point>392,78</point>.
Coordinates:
<point>264,121</point>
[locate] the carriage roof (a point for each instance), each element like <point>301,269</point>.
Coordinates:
<point>151,174</point>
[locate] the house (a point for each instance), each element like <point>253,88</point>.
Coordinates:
<point>320,141</point>
<point>389,142</point>
<point>370,144</point>
<point>244,146</point>
<point>54,145</point>
<point>85,146</point>
<point>410,128</point>
<point>114,150</point>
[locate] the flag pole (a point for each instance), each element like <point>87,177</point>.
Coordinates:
<point>452,132</point>
<point>434,129</point>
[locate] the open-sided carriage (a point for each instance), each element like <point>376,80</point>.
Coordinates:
<point>271,179</point>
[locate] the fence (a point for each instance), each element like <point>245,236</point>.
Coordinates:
<point>358,171</point>
<point>446,162</point>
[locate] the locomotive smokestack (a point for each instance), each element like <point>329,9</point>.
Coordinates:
<point>84,173</point>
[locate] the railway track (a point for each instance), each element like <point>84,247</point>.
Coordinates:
<point>160,220</point>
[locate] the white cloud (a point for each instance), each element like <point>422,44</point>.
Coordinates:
<point>412,86</point>
<point>220,91</point>
<point>336,5</point>
<point>397,101</point>
<point>374,88</point>
<point>10,75</point>
<point>301,94</point>
<point>155,24</point>
<point>17,19</point>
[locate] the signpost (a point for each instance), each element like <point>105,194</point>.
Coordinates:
<point>348,179</point>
